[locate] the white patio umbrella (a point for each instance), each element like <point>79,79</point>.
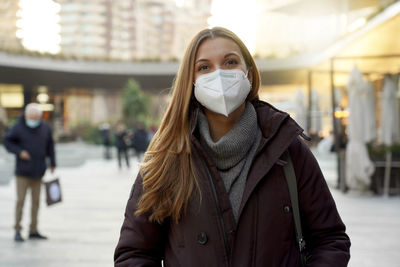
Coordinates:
<point>300,109</point>
<point>370,129</point>
<point>389,130</point>
<point>398,85</point>
<point>359,167</point>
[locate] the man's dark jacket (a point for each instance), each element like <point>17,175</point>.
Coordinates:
<point>140,141</point>
<point>121,139</point>
<point>208,235</point>
<point>39,144</point>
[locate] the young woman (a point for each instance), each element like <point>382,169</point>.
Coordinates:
<point>212,190</point>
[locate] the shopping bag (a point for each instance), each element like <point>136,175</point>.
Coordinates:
<point>53,191</point>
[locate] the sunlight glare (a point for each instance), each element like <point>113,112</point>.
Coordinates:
<point>38,25</point>
<point>239,16</point>
<point>179,3</point>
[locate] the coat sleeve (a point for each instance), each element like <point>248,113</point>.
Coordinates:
<point>11,141</point>
<point>326,240</point>
<point>141,242</point>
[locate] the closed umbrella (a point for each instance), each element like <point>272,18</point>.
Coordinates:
<point>359,167</point>
<point>300,109</point>
<point>389,130</point>
<point>398,86</point>
<point>370,113</point>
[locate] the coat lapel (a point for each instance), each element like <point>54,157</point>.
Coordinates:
<point>278,133</point>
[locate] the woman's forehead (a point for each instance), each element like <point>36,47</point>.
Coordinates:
<point>217,47</point>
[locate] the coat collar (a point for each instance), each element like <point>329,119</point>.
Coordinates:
<point>269,118</point>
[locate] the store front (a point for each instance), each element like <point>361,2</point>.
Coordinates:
<point>375,52</point>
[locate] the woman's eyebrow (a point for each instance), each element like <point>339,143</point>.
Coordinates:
<point>227,55</point>
<point>201,60</point>
<point>231,54</point>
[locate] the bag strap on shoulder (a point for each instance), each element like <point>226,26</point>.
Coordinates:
<point>292,185</point>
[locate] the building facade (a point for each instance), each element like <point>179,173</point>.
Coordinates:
<point>8,26</point>
<point>190,17</point>
<point>83,28</point>
<point>130,29</point>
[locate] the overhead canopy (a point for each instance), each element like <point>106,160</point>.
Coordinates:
<point>322,8</point>
<point>380,36</point>
<point>382,40</point>
<point>58,80</point>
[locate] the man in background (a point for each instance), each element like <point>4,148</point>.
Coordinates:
<point>122,142</point>
<point>106,139</point>
<point>30,139</point>
<point>140,141</point>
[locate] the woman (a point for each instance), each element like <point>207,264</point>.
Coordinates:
<point>212,191</point>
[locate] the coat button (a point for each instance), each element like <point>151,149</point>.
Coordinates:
<point>202,238</point>
<point>286,209</point>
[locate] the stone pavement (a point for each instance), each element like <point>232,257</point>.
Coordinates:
<point>84,229</point>
<point>373,222</point>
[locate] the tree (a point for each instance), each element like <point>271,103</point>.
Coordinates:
<point>134,103</point>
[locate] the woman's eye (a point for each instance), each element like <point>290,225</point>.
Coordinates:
<point>232,62</point>
<point>202,68</point>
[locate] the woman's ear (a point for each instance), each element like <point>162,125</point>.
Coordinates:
<point>250,76</point>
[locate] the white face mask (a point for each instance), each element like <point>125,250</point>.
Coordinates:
<point>222,91</point>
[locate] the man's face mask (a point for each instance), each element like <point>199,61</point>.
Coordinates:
<point>222,91</point>
<point>32,123</point>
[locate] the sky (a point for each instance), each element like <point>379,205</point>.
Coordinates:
<point>39,29</point>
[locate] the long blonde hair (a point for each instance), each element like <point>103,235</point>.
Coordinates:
<point>167,171</point>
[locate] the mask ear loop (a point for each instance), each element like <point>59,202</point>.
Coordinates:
<point>247,76</point>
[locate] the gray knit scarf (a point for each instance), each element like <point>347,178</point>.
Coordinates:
<point>233,153</point>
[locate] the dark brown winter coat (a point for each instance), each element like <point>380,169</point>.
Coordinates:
<point>208,236</point>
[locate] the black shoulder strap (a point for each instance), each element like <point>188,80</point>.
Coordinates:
<point>292,184</point>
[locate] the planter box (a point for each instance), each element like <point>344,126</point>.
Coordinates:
<point>377,179</point>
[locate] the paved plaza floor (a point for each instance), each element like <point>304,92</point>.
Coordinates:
<point>84,229</point>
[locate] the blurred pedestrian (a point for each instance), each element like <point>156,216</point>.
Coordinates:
<point>211,190</point>
<point>122,143</point>
<point>140,141</point>
<point>30,139</point>
<point>106,139</point>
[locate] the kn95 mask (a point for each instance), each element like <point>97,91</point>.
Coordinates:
<point>222,91</point>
